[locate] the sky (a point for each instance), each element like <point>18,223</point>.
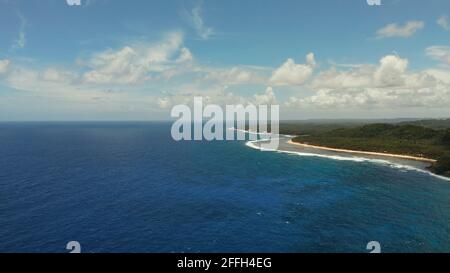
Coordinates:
<point>136,59</point>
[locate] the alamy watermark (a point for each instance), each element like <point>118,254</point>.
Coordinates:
<point>73,2</point>
<point>374,247</point>
<point>74,247</point>
<point>232,124</point>
<point>374,2</point>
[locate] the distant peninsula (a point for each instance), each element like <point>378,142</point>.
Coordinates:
<point>424,140</point>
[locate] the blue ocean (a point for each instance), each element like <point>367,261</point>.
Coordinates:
<point>128,187</point>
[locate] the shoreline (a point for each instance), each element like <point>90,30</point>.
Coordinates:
<point>421,159</point>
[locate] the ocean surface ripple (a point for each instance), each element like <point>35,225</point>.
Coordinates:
<point>128,187</point>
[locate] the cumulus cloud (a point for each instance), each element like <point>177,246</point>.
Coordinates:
<point>116,67</point>
<point>133,64</point>
<point>439,74</point>
<point>333,78</point>
<point>268,98</point>
<point>234,75</point>
<point>291,73</point>
<point>375,98</point>
<point>57,75</point>
<point>443,22</point>
<point>48,80</point>
<point>387,85</point>
<point>391,71</point>
<point>395,30</point>
<point>439,53</point>
<point>61,87</point>
<point>219,95</point>
<point>4,66</point>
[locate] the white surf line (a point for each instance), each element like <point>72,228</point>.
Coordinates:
<point>257,133</point>
<point>249,132</point>
<point>252,144</point>
<point>405,157</point>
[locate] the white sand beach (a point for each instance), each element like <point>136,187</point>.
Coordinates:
<point>423,159</point>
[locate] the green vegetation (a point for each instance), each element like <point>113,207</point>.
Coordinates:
<point>430,139</point>
<point>430,123</point>
<point>442,166</point>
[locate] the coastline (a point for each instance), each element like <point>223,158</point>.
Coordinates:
<point>422,159</point>
<point>420,164</point>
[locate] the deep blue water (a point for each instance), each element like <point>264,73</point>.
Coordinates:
<point>128,187</point>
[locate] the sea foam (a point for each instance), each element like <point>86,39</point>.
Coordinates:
<point>253,144</point>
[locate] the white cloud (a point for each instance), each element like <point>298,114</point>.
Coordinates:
<point>310,60</point>
<point>47,81</point>
<point>234,75</point>
<point>439,53</point>
<point>291,73</point>
<point>195,18</point>
<point>185,56</point>
<point>216,94</point>
<point>61,89</point>
<point>333,78</point>
<point>375,98</point>
<point>163,103</point>
<point>443,22</point>
<point>115,67</point>
<point>4,66</point>
<point>391,71</point>
<point>133,64</point>
<point>395,30</point>
<point>57,75</point>
<point>52,83</point>
<point>268,98</point>
<point>440,75</point>
<point>388,85</point>
<point>21,40</point>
